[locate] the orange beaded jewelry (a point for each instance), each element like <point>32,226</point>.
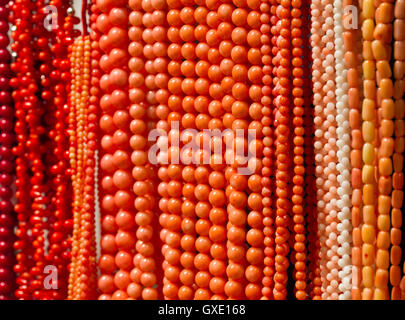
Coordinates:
<point>351,59</point>
<point>237,184</point>
<point>118,241</point>
<point>380,48</point>
<point>171,186</point>
<point>82,278</point>
<point>256,36</point>
<point>144,56</point>
<point>266,116</point>
<point>398,288</point>
<point>298,140</point>
<point>282,103</point>
<point>369,117</point>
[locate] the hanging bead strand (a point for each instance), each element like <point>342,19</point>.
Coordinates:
<point>265,115</point>
<point>384,14</point>
<point>398,157</point>
<point>353,94</point>
<point>299,252</point>
<point>116,200</point>
<point>7,138</point>
<point>317,33</point>
<point>282,103</point>
<point>255,235</point>
<point>343,154</point>
<point>369,116</point>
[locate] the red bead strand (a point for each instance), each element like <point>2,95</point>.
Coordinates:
<point>7,138</point>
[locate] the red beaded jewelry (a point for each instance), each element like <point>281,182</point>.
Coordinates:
<point>60,227</point>
<point>7,278</point>
<point>118,239</point>
<point>256,37</point>
<point>281,91</point>
<point>143,113</point>
<point>267,18</point>
<point>298,140</point>
<point>29,166</point>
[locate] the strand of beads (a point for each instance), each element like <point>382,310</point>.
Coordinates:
<point>353,95</point>
<point>368,230</point>
<point>238,183</point>
<point>265,116</point>
<point>282,104</point>
<point>380,46</point>
<point>60,221</point>
<point>24,96</point>
<point>187,16</point>
<point>224,60</point>
<point>106,263</point>
<point>298,140</point>
<point>182,88</point>
<point>40,191</point>
<point>255,236</point>
<point>93,115</point>
<point>117,201</point>
<point>171,184</point>
<point>343,154</point>
<point>143,186</point>
<point>145,202</point>
<point>330,172</point>
<point>73,152</point>
<point>207,198</point>
<point>217,22</point>
<point>82,282</point>
<point>7,279</point>
<point>232,71</point>
<point>313,245</point>
<point>398,158</point>
<point>317,20</point>
<point>205,278</point>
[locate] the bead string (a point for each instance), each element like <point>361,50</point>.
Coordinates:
<point>329,174</point>
<point>317,32</point>
<point>142,174</point>
<point>398,287</point>
<point>385,113</point>
<point>118,239</point>
<point>266,117</point>
<point>368,231</point>
<point>300,268</point>
<point>60,221</point>
<point>282,104</point>
<point>256,37</point>
<point>82,277</point>
<point>353,94</point>
<point>343,155</point>
<point>237,183</point>
<point>7,138</point>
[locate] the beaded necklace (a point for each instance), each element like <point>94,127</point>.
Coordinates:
<point>60,221</point>
<point>82,281</point>
<point>343,154</point>
<point>368,153</point>
<point>282,103</point>
<point>353,95</point>
<point>143,186</point>
<point>266,117</point>
<point>118,239</point>
<point>298,140</point>
<point>7,278</point>
<point>255,236</point>
<point>397,292</point>
<point>385,113</point>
